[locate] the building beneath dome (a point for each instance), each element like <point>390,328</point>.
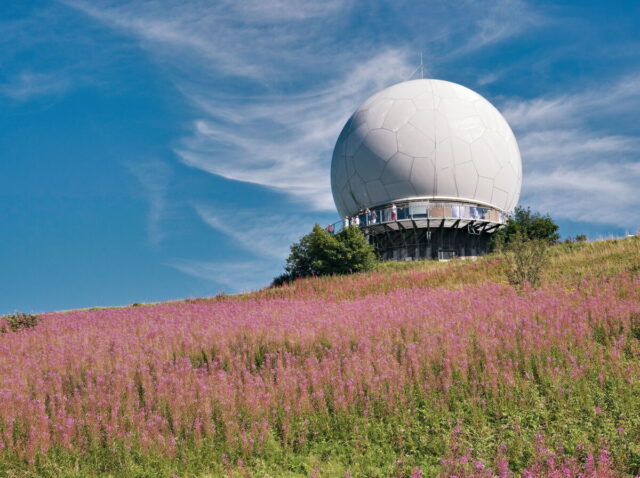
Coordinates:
<point>428,169</point>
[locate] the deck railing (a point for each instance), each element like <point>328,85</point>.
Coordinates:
<point>421,211</point>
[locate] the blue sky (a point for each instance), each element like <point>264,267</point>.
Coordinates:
<point>170,149</point>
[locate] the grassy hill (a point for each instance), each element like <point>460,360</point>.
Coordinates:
<point>416,369</point>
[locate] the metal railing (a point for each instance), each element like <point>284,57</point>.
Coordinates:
<point>421,210</point>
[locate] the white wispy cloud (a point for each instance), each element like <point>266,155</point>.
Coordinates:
<point>575,166</point>
<point>562,110</point>
<point>497,21</point>
<point>154,177</point>
<point>263,235</point>
<point>276,139</point>
<point>234,277</point>
<point>260,40</point>
<point>573,145</point>
<point>28,85</point>
<point>285,143</point>
<point>598,193</point>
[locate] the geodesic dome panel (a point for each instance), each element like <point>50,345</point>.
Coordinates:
<point>425,139</point>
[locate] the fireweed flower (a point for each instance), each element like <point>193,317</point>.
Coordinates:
<point>241,372</point>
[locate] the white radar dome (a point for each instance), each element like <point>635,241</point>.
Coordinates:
<point>427,139</point>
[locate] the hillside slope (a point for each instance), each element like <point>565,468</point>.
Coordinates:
<point>567,263</point>
<point>417,369</point>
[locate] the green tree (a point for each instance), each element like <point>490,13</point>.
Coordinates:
<point>321,253</point>
<point>314,255</point>
<point>529,225</point>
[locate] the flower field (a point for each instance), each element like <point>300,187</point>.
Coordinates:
<point>472,379</point>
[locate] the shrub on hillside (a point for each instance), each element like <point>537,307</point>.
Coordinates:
<point>578,239</point>
<point>321,253</point>
<point>530,225</point>
<point>18,321</point>
<point>525,259</point>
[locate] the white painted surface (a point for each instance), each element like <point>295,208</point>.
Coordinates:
<point>429,139</point>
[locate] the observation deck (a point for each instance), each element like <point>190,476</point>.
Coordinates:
<point>420,229</point>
